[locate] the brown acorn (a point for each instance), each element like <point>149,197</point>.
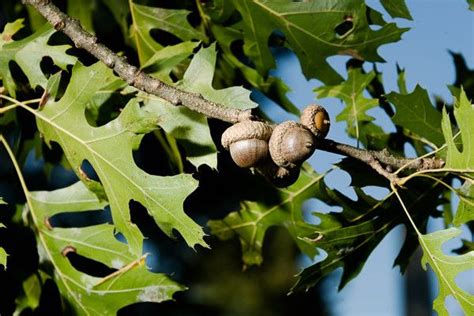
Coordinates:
<point>291,144</point>
<point>247,142</point>
<point>316,119</point>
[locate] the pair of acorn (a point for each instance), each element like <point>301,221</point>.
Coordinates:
<point>277,151</point>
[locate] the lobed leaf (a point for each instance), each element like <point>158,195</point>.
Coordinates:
<point>189,127</point>
<point>87,294</point>
<point>462,158</point>
<point>315,30</point>
<point>397,9</point>
<point>108,149</point>
<point>415,112</point>
<point>28,54</point>
<point>146,19</point>
<point>447,268</point>
<point>351,92</point>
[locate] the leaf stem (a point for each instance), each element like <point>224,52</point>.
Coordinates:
<point>394,190</point>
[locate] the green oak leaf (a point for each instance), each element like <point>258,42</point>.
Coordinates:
<point>191,128</point>
<point>415,112</point>
<point>464,114</point>
<point>108,149</point>
<point>87,294</point>
<point>121,12</point>
<point>28,53</point>
<point>351,92</point>
<point>447,268</point>
<point>471,4</point>
<point>145,19</point>
<point>397,9</point>
<point>310,29</point>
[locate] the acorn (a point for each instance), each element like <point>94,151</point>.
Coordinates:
<point>247,142</point>
<point>316,119</point>
<point>291,144</point>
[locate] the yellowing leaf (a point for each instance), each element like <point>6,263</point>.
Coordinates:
<point>447,269</point>
<point>108,149</point>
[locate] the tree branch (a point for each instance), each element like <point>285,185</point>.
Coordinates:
<point>131,74</point>
<point>381,161</point>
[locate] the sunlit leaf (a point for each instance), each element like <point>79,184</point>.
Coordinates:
<point>462,158</point>
<point>447,268</point>
<point>108,149</point>
<point>88,294</point>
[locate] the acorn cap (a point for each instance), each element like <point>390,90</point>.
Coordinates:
<point>316,119</point>
<point>291,144</point>
<point>246,130</point>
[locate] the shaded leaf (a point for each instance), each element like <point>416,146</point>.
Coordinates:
<point>397,8</point>
<point>28,53</point>
<point>90,295</point>
<point>311,29</point>
<point>351,92</point>
<point>464,113</point>
<point>415,112</point>
<point>351,236</point>
<point>146,19</point>
<point>108,149</point>
<point>447,268</point>
<point>283,207</point>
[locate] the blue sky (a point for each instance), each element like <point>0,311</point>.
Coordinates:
<point>437,27</point>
